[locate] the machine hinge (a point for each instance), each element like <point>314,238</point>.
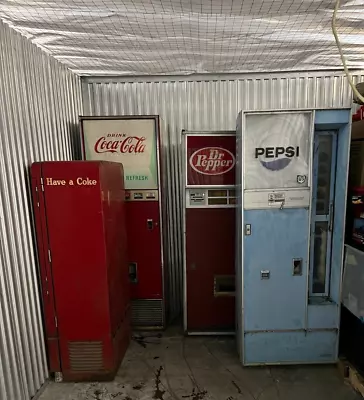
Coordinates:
<point>49,256</point>
<point>36,190</point>
<point>41,182</point>
<point>56,321</point>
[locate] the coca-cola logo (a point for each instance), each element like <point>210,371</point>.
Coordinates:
<point>212,161</point>
<point>119,142</point>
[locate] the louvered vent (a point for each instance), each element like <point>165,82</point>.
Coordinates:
<point>147,313</point>
<point>85,356</point>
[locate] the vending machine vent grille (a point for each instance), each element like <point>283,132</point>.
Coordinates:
<point>85,356</point>
<point>147,313</point>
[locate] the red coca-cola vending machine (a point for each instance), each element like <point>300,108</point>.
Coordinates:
<point>209,220</point>
<point>134,142</point>
<point>81,237</point>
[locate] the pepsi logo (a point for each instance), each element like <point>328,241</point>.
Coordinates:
<point>212,161</point>
<point>276,158</point>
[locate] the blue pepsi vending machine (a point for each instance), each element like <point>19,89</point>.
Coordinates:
<point>292,169</point>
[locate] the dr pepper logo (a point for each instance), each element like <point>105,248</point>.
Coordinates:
<point>119,142</point>
<point>212,161</point>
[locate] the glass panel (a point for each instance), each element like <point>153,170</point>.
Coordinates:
<point>276,149</point>
<point>319,257</point>
<point>214,201</point>
<point>323,174</point>
<point>217,193</point>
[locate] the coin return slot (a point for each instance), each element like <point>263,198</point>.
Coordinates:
<point>150,196</point>
<point>297,266</point>
<point>224,285</point>
<point>133,272</point>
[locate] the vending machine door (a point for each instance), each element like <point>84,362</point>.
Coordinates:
<point>134,141</point>
<point>210,269</point>
<point>144,250</point>
<point>276,200</point>
<point>292,174</point>
<point>275,284</point>
<point>209,221</point>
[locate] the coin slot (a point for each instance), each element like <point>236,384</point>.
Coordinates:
<point>138,196</point>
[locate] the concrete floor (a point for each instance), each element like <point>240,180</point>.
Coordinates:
<point>171,367</point>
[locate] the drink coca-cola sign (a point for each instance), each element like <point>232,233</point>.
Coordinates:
<point>132,142</point>
<point>212,161</point>
<point>120,142</point>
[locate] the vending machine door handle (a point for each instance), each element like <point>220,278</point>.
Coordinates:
<point>150,224</point>
<point>331,216</point>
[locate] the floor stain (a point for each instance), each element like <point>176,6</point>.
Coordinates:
<point>143,341</point>
<point>237,387</point>
<point>159,393</point>
<point>98,394</point>
<point>138,387</point>
<point>200,395</point>
<point>140,340</point>
<point>115,395</point>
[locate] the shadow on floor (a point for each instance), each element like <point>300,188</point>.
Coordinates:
<point>173,367</point>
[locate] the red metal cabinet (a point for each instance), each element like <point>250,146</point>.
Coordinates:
<point>134,141</point>
<point>80,222</point>
<point>209,217</point>
<point>210,241</point>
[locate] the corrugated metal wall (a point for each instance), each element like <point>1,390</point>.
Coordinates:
<point>39,106</point>
<point>205,104</point>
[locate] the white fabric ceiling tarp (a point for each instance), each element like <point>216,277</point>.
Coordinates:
<point>152,37</point>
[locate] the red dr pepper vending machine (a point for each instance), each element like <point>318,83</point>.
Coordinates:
<point>81,237</point>
<point>134,142</point>
<point>209,248</point>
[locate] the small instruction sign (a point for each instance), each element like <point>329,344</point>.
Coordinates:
<point>274,198</point>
